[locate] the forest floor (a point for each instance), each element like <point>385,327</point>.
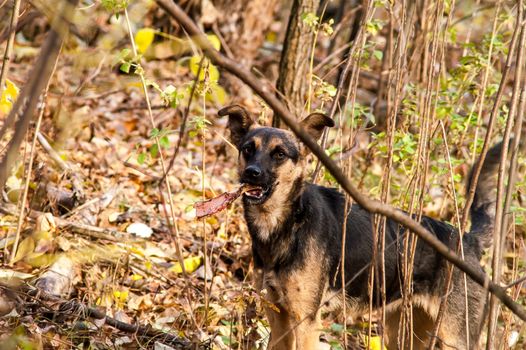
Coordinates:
<point>114,238</point>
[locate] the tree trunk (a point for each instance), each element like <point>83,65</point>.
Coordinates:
<point>294,65</point>
<point>244,23</point>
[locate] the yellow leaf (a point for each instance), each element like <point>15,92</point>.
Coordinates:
<point>144,38</point>
<point>213,72</point>
<point>137,251</point>
<point>221,233</point>
<point>136,277</point>
<point>217,95</point>
<point>14,195</point>
<point>376,342</point>
<point>9,95</point>
<point>194,66</point>
<point>214,40</point>
<point>271,37</point>
<point>36,259</point>
<point>26,247</point>
<point>11,88</point>
<point>190,265</point>
<point>120,296</point>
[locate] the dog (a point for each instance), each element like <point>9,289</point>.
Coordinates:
<point>296,229</point>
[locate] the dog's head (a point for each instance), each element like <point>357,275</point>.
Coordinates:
<point>270,159</point>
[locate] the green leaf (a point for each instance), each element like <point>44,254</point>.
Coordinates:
<point>114,6</point>
<point>154,151</point>
<point>125,67</point>
<point>154,133</point>
<point>141,158</point>
<point>164,142</point>
<point>378,54</point>
<point>336,328</point>
<point>310,19</point>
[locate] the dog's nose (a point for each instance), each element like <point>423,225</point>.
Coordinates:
<point>252,171</point>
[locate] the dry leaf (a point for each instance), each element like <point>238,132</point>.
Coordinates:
<point>26,247</point>
<point>45,223</point>
<point>221,202</point>
<point>139,229</point>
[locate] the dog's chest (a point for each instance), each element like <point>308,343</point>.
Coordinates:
<point>263,223</point>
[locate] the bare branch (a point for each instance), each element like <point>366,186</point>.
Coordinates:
<point>81,311</point>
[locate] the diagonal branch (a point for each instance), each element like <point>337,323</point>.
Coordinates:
<point>81,311</point>
<point>373,206</point>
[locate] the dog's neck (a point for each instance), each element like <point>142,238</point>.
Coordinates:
<point>273,221</point>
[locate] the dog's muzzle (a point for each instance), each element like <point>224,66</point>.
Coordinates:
<point>259,189</point>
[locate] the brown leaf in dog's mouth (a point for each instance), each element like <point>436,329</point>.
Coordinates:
<point>221,202</point>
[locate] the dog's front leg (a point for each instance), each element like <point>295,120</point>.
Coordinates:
<point>293,331</point>
<point>282,335</point>
<point>307,332</point>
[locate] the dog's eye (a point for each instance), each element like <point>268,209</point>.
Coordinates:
<point>279,155</point>
<point>247,149</point>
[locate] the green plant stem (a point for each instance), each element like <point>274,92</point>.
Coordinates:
<point>175,231</point>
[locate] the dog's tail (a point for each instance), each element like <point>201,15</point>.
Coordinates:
<point>483,207</point>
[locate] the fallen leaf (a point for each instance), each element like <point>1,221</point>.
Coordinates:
<point>190,265</point>
<point>26,247</point>
<point>6,274</point>
<point>139,229</point>
<point>45,223</point>
<point>9,95</point>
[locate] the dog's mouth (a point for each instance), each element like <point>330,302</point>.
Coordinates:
<point>257,194</point>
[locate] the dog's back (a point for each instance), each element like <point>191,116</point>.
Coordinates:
<point>429,269</point>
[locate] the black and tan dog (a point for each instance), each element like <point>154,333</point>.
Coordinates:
<point>296,231</point>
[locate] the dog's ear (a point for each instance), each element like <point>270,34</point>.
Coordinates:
<point>239,122</point>
<point>314,124</point>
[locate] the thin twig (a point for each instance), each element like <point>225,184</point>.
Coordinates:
<point>63,165</point>
<point>516,282</point>
<point>342,79</point>
<point>499,232</point>
<point>85,229</point>
<point>30,167</point>
<point>24,19</point>
<point>175,232</point>
<point>185,119</point>
<point>493,116</point>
